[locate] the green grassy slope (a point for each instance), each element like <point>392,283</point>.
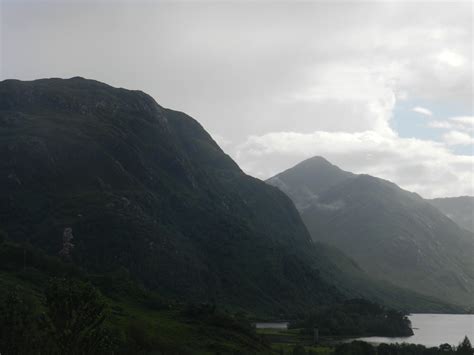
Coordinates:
<point>140,319</point>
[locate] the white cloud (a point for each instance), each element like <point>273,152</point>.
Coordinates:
<point>426,167</point>
<point>458,138</point>
<point>467,121</point>
<point>451,58</point>
<point>358,97</point>
<point>460,123</point>
<point>423,111</point>
<point>440,124</point>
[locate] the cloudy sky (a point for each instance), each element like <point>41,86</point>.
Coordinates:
<point>379,87</point>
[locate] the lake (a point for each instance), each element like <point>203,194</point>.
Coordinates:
<point>272,325</point>
<point>434,329</point>
<point>430,330</point>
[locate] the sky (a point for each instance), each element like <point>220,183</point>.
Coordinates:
<point>377,87</point>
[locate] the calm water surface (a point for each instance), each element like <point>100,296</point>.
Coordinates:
<point>434,329</point>
<point>274,325</point>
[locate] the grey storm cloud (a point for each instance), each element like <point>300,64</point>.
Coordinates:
<point>274,82</point>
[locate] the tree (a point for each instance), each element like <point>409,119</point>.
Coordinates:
<point>75,315</point>
<point>445,348</point>
<point>299,350</point>
<point>465,347</point>
<point>19,331</point>
<point>355,348</point>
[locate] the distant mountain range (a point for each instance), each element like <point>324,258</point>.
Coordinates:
<point>393,234</point>
<point>459,209</point>
<point>147,192</point>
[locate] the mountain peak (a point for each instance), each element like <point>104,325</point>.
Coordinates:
<point>391,233</point>
<point>311,176</point>
<point>317,159</point>
<point>316,162</point>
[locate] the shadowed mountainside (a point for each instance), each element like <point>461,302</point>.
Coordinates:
<point>146,189</point>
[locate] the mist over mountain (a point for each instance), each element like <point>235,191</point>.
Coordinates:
<point>459,209</point>
<point>393,234</point>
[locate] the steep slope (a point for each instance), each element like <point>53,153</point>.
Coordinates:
<point>146,188</point>
<point>147,192</point>
<point>459,209</point>
<point>394,235</point>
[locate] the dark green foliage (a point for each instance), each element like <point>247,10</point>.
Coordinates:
<point>139,321</point>
<point>446,347</point>
<point>355,348</point>
<point>363,348</point>
<point>3,236</point>
<point>408,349</point>
<point>299,350</point>
<point>465,348</point>
<point>75,315</point>
<point>199,310</point>
<point>140,338</point>
<point>72,322</point>
<point>20,331</point>
<point>356,318</point>
<point>210,314</point>
<point>413,349</point>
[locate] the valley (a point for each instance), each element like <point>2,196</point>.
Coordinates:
<point>107,193</point>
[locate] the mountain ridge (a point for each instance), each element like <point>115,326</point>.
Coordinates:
<point>391,233</point>
<point>147,189</point>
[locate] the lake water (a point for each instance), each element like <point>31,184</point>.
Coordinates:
<point>434,329</point>
<point>430,330</point>
<point>270,325</point>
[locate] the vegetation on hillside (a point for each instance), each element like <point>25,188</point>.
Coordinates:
<point>363,348</point>
<point>356,318</point>
<point>48,306</point>
<point>128,230</point>
<point>113,182</point>
<point>144,188</point>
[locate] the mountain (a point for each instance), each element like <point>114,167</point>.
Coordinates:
<point>459,209</point>
<point>146,188</point>
<point>303,186</point>
<point>145,191</point>
<point>393,234</point>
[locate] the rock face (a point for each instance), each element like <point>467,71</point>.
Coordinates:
<point>147,189</point>
<point>392,234</point>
